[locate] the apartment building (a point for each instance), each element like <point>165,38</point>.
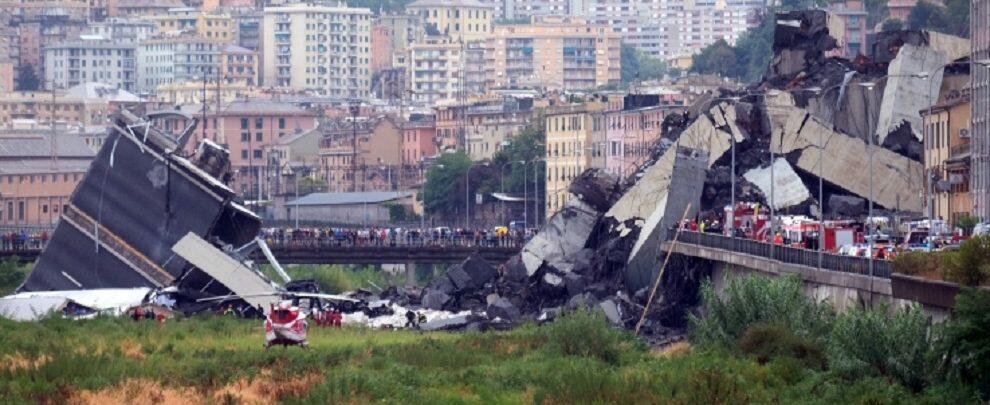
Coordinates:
<point>323,48</point>
<point>42,107</point>
<point>571,131</point>
<point>362,155</point>
<point>980,129</point>
<point>556,53</point>
<point>190,92</point>
<point>946,157</point>
<point>191,20</point>
<point>527,9</point>
<point>238,65</point>
<point>176,60</point>
<point>248,128</point>
<point>401,30</point>
<point>484,126</point>
<point>435,72</point>
<point>142,8</point>
<point>630,130</point>
<point>123,29</point>
<point>852,41</point>
<point>71,63</point>
<point>460,20</point>
<point>418,139</point>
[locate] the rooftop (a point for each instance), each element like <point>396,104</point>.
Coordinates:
<point>448,3</point>
<point>370,197</point>
<point>35,144</point>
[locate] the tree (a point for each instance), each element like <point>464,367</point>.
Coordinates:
<point>527,146</point>
<point>965,339</point>
<point>718,58</point>
<point>444,187</point>
<point>876,11</point>
<point>967,223</point>
<point>637,66</point>
<point>892,24</point>
<point>926,15</point>
<point>27,80</point>
<point>376,6</point>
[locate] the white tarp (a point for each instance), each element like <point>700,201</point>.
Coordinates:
<point>788,189</point>
<point>31,306</point>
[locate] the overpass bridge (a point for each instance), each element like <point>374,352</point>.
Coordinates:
<point>843,281</point>
<point>333,253</point>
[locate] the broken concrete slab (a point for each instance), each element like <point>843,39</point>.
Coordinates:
<point>503,309</point>
<point>452,322</point>
<point>687,179</point>
<point>640,201</point>
<point>471,274</point>
<point>905,95</point>
<point>897,180</point>
<point>611,310</point>
<point>787,188</point>
<point>564,235</point>
<point>434,299</point>
<point>246,283</point>
<point>595,187</point>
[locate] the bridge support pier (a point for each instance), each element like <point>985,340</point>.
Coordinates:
<point>410,274</point>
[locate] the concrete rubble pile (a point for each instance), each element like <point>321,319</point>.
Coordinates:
<point>812,115</point>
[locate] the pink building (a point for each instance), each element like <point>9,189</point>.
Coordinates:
<point>900,9</point>
<point>418,140</point>
<point>853,14</point>
<point>381,49</point>
<point>631,132</point>
<point>247,128</point>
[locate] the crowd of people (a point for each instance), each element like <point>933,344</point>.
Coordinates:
<point>383,236</point>
<point>23,240</point>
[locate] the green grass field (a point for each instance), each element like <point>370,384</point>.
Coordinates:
<point>220,360</point>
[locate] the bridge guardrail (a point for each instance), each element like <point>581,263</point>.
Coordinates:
<point>784,254</point>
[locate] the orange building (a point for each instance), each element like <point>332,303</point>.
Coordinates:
<point>381,49</point>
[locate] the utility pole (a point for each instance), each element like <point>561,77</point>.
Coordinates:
<point>54,140</point>
<point>355,108</point>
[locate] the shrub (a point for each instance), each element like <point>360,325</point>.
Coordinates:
<point>587,334</point>
<point>768,341</point>
<point>916,263</point>
<point>869,342</point>
<point>965,341</point>
<point>755,299</point>
<point>970,265</point>
<point>12,274</point>
<point>967,223</point>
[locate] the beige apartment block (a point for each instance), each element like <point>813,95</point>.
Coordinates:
<point>554,53</point>
<point>571,133</point>
<point>461,20</point>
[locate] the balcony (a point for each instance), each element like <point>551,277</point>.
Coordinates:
<point>959,150</point>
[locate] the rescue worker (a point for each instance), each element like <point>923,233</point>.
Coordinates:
<point>411,320</point>
<point>778,239</point>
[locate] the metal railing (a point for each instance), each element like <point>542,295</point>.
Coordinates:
<point>784,254</point>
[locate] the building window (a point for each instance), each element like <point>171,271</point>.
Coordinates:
<point>244,154</point>
<point>20,210</point>
<point>244,123</point>
<point>245,136</point>
<point>259,137</point>
<point>259,123</point>
<point>257,153</point>
<point>281,123</point>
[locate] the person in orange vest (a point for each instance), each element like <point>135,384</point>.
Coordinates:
<point>778,239</point>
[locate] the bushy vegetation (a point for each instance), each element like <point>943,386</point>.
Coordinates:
<point>968,266</point>
<point>859,347</point>
<point>339,278</point>
<point>754,300</point>
<point>12,274</point>
<point>878,342</point>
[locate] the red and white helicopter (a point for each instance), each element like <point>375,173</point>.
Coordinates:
<point>285,322</point>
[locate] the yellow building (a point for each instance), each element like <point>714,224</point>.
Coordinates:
<point>461,20</point>
<point>947,153</point>
<point>571,133</point>
<point>211,26</point>
<point>556,53</point>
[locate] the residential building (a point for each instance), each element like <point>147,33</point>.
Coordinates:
<point>190,92</point>
<point>435,70</point>
<point>142,8</point>
<point>381,49</point>
<point>123,29</point>
<point>310,47</point>
<point>238,65</point>
<point>553,53</point>
<point>7,75</point>
<point>191,20</point>
<point>36,34</point>
<point>249,30</point>
<point>71,63</point>
<point>41,106</point>
<point>176,60</point>
<point>36,185</point>
<point>362,155</point>
<point>946,157</point>
<point>980,95</point>
<point>460,20</point>
<point>852,41</point>
<point>631,131</point>
<point>248,128</point>
<point>401,30</point>
<point>490,125</point>
<point>901,9</point>
<point>570,132</point>
<point>418,139</point>
<point>516,10</point>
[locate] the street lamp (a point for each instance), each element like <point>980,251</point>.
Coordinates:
<point>502,181</point>
<point>536,191</point>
